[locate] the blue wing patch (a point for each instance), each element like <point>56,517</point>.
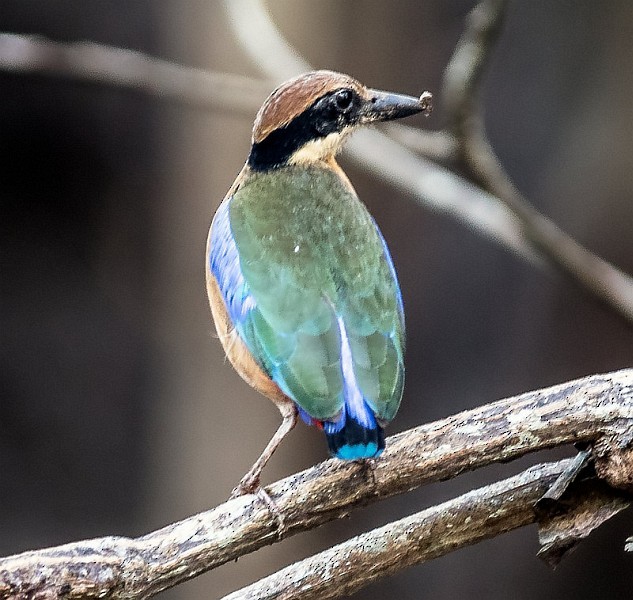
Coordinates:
<point>225,266</point>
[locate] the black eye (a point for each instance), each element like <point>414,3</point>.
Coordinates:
<point>343,100</point>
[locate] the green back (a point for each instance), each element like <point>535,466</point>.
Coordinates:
<point>312,257</point>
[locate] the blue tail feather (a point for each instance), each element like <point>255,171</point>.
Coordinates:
<point>354,441</point>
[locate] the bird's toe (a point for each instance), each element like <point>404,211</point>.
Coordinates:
<point>251,485</point>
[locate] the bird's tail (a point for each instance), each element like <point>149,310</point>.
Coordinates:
<point>354,441</point>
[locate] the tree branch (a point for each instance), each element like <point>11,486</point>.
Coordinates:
<point>469,519</point>
<point>466,143</point>
<point>596,409</point>
<point>106,65</point>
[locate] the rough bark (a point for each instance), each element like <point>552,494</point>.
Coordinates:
<point>596,410</point>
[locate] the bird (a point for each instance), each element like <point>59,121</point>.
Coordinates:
<point>301,284</point>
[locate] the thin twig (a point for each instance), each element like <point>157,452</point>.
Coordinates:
<point>596,409</point>
<point>463,75</point>
<point>469,519</point>
<point>106,65</point>
<point>438,146</point>
<point>476,158</point>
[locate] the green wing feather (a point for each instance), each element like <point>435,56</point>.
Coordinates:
<point>312,257</point>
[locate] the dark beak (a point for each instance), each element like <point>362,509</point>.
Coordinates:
<point>385,106</point>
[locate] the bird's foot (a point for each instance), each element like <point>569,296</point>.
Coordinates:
<point>251,485</point>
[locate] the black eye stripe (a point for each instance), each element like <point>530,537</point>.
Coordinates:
<point>329,114</point>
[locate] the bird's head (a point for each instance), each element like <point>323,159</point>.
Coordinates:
<point>306,119</point>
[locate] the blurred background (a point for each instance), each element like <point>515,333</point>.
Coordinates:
<point>118,413</point>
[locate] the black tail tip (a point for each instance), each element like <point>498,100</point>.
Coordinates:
<point>355,441</point>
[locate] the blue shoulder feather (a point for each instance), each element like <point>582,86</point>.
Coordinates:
<point>225,266</point>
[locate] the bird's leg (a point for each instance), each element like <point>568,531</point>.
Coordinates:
<point>249,484</point>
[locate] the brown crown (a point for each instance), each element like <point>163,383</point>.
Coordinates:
<point>294,96</point>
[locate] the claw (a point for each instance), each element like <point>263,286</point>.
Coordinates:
<point>250,486</point>
<point>273,509</point>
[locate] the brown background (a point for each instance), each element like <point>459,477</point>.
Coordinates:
<point>118,413</point>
